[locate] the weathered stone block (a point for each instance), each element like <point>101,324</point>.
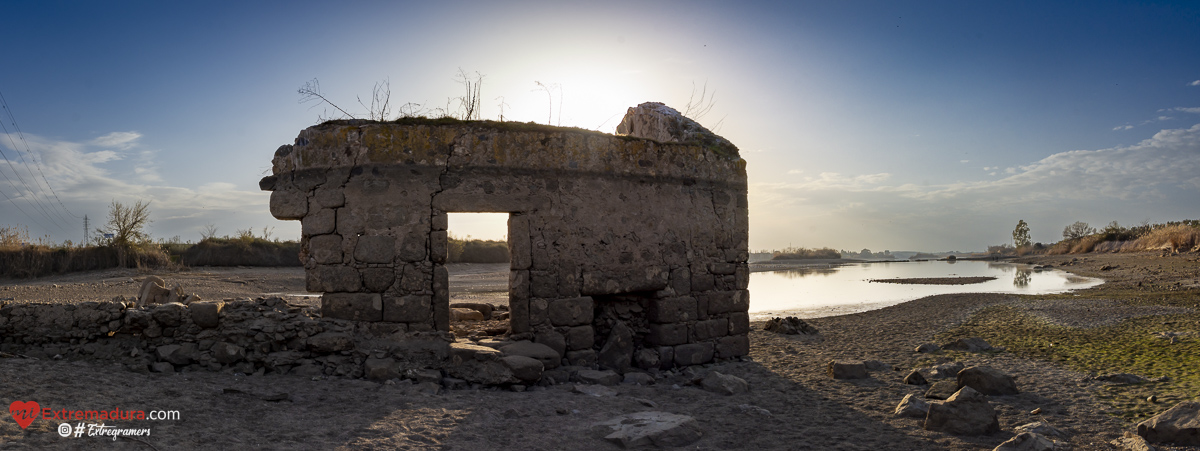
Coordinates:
<point>378,280</point>
<point>407,309</point>
<point>328,198</point>
<point>713,328</point>
<point>552,339</point>
<point>543,284</point>
<point>206,314</point>
<point>437,246</point>
<point>520,250</point>
<point>728,301</point>
<point>582,357</point>
<point>318,222</point>
<point>538,311</point>
<point>733,346</point>
<point>650,278</point>
<point>333,279</point>
<point>375,249</point>
<point>739,323</point>
<point>742,276</point>
<point>672,310</point>
<point>441,297</point>
<point>722,268</point>
<point>580,337</point>
<point>681,281</point>
<point>667,334</point>
<point>325,249</point>
<point>289,204</point>
<point>412,247</point>
<point>701,279</point>
<point>693,353</point>
<point>414,278</point>
<point>352,306</point>
<point>571,312</point>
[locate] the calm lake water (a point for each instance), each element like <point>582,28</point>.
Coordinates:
<point>810,292</point>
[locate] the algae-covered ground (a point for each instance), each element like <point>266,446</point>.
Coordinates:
<point>1145,320</point>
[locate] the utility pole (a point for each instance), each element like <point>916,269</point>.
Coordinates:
<point>85,230</point>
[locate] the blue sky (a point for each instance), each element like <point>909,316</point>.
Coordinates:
<point>884,125</point>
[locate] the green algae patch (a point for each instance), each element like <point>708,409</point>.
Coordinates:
<point>1134,346</point>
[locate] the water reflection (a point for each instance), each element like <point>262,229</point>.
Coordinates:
<point>1022,278</point>
<point>793,273</point>
<point>845,288</point>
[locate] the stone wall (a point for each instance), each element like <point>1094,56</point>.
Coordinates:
<point>603,230</point>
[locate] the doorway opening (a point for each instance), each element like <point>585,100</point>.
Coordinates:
<point>479,269</point>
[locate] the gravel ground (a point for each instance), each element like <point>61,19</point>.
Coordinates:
<point>792,404</point>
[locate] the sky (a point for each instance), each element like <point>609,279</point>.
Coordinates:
<point>891,125</point>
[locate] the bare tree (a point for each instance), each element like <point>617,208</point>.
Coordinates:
<point>128,224</point>
<point>469,103</point>
<point>311,92</point>
<point>697,108</point>
<point>1079,229</point>
<point>381,94</point>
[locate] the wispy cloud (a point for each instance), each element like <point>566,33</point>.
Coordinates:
<point>88,175</point>
<point>1194,83</point>
<point>1160,172</point>
<point>1123,127</point>
<point>117,140</point>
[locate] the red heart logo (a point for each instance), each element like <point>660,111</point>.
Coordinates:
<point>24,412</point>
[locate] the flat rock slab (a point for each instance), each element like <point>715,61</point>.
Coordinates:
<point>847,369</point>
<point>659,429</point>
<point>550,359</point>
<point>987,380</point>
<point>724,384</point>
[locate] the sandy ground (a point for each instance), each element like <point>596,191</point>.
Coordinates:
<point>792,403</point>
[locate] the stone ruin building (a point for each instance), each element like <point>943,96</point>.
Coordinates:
<point>626,251</point>
<point>633,245</point>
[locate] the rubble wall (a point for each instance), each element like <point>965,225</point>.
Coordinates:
<point>603,229</point>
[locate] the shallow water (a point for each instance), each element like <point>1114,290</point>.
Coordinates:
<point>810,292</point>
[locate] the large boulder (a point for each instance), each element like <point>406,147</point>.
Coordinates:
<point>154,291</point>
<point>617,353</point>
<point>942,390</point>
<point>550,359</point>
<point>527,369</point>
<point>915,378</point>
<point>965,413</point>
<point>912,407</point>
<point>659,429</point>
<point>1179,425</point>
<point>987,380</point>
<point>949,369</point>
<point>479,364</point>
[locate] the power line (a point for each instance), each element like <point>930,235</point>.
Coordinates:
<point>33,194</point>
<point>21,135</point>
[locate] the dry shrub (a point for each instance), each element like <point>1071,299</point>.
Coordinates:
<point>244,250</point>
<point>802,253</point>
<point>1178,237</point>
